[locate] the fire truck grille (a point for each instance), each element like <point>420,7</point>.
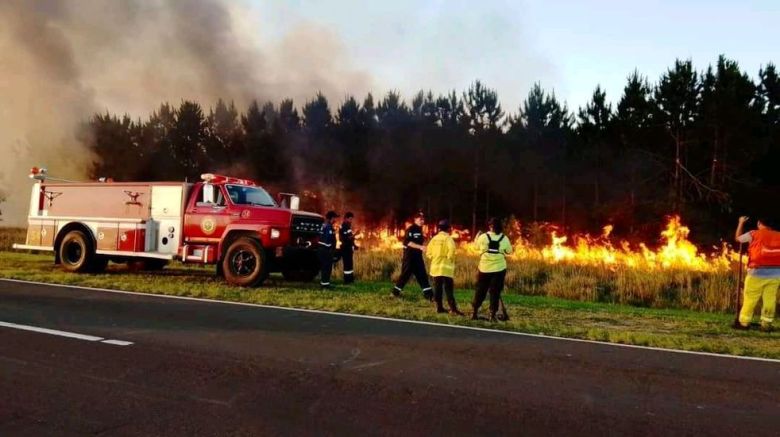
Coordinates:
<point>306,226</point>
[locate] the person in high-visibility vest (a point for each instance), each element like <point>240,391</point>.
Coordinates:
<point>493,246</point>
<point>441,252</point>
<point>413,262</point>
<point>763,276</point>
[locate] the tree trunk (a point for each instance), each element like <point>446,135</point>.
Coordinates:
<point>536,198</point>
<point>487,205</point>
<point>714,164</point>
<point>563,201</point>
<point>676,182</point>
<point>476,191</point>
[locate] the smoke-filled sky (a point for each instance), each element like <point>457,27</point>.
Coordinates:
<point>63,60</point>
<point>568,45</point>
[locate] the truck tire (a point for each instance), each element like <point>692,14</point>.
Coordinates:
<point>244,263</point>
<point>300,275</point>
<point>76,252</point>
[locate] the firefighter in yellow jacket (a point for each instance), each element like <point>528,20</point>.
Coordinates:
<point>494,246</point>
<point>441,252</point>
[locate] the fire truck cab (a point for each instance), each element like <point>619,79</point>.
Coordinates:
<point>233,223</point>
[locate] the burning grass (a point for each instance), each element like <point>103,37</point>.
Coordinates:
<point>674,274</point>
<point>547,242</point>
<point>658,288</point>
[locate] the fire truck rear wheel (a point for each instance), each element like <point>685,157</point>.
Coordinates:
<point>76,252</point>
<point>244,263</point>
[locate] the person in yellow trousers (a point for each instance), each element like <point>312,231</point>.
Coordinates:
<point>493,246</point>
<point>763,276</point>
<point>441,252</point>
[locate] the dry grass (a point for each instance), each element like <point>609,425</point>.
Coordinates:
<point>672,288</point>
<point>9,236</point>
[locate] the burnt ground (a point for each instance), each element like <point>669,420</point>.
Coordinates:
<point>203,368</point>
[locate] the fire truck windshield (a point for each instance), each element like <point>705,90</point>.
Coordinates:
<point>246,195</point>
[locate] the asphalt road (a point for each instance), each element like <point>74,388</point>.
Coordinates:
<point>201,368</point>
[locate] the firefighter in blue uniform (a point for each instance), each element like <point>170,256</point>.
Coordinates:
<point>413,263</point>
<point>327,248</point>
<point>347,249</point>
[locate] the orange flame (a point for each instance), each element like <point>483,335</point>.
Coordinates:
<point>675,250</point>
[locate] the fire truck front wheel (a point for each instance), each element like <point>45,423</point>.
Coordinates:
<point>244,263</point>
<point>77,253</point>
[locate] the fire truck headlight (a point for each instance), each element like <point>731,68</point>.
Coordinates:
<point>275,234</point>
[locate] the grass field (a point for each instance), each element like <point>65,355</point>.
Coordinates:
<point>668,288</point>
<point>538,314</point>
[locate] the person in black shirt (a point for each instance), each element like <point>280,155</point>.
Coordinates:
<point>326,249</point>
<point>347,240</point>
<point>413,263</point>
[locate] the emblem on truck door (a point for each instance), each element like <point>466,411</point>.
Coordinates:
<point>208,225</point>
<point>134,195</point>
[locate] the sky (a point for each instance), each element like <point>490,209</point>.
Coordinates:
<point>567,46</point>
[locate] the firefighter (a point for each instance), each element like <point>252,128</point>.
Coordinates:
<point>763,275</point>
<point>348,247</point>
<point>494,246</point>
<point>441,252</point>
<point>412,262</point>
<point>326,249</point>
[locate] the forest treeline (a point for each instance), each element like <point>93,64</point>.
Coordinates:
<point>702,143</point>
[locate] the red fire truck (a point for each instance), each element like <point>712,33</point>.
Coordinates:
<point>230,222</point>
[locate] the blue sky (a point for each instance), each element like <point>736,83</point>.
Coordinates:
<point>568,46</point>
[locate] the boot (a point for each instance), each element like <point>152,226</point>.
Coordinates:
<point>493,318</point>
<point>437,302</point>
<point>765,327</point>
<point>475,314</point>
<point>739,326</point>
<point>395,292</point>
<point>456,312</point>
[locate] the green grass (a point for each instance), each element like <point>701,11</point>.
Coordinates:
<point>539,314</point>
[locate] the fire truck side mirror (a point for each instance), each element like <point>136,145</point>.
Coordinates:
<point>291,201</point>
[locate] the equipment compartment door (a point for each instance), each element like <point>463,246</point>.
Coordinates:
<point>163,234</point>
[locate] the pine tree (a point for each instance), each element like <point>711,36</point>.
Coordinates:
<point>677,99</point>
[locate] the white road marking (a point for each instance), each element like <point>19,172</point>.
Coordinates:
<point>63,333</point>
<point>51,331</point>
<point>413,322</point>
<point>118,342</point>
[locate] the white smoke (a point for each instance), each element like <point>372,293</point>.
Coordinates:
<point>62,61</point>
